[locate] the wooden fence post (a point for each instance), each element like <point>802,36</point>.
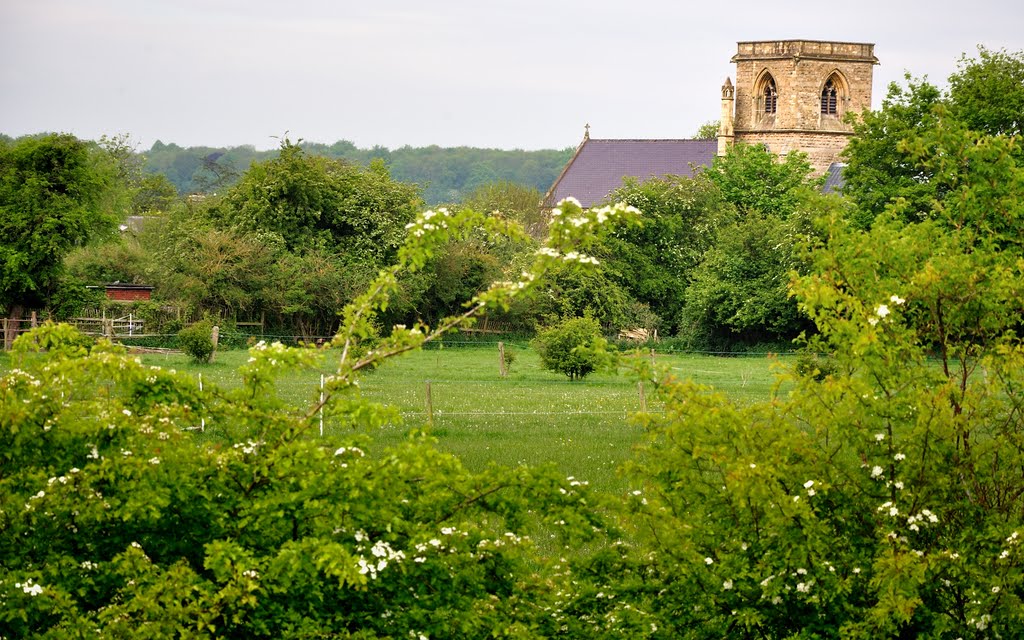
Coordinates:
<point>34,321</point>
<point>215,337</point>
<point>501,360</point>
<point>643,397</point>
<point>430,406</point>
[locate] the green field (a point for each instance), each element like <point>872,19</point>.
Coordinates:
<point>530,417</point>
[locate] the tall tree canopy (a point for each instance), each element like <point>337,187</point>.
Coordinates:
<point>887,166</point>
<point>52,198</point>
<point>308,199</point>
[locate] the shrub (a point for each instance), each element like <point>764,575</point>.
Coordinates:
<point>574,347</point>
<point>196,340</point>
<point>816,366</point>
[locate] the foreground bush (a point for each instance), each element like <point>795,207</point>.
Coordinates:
<point>132,504</point>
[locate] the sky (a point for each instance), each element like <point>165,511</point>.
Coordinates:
<point>523,74</point>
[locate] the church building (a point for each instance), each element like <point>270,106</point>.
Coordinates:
<point>789,95</point>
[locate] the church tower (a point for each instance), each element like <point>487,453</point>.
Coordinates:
<point>791,95</point>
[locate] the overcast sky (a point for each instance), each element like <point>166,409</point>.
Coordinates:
<point>522,74</point>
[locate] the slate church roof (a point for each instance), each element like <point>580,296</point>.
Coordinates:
<point>598,166</point>
<point>834,178</point>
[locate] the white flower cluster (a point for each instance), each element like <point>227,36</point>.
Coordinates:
<point>29,587</point>
<point>273,349</point>
<point>809,485</point>
<point>355,450</point>
<point>382,554</point>
<point>925,517</point>
<point>572,256</point>
<point>252,574</point>
<point>249,447</point>
<point>882,310</point>
<point>13,375</point>
<point>422,224</point>
<point>1013,540</point>
<point>890,507</point>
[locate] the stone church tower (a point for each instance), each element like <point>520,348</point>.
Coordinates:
<point>791,95</point>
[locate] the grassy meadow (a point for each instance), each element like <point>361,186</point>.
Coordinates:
<point>531,417</point>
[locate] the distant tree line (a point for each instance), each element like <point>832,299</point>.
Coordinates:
<point>444,175</point>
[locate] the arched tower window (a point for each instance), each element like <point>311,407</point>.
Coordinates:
<point>833,95</point>
<point>830,98</point>
<point>769,95</point>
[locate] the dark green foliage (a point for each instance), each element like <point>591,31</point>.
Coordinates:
<point>880,169</point>
<point>757,181</point>
<point>196,340</point>
<point>573,291</point>
<point>574,347</point>
<point>654,262</point>
<point>740,292</point>
<point>815,365</point>
<point>987,93</point>
<point>310,199</point>
<point>52,198</point>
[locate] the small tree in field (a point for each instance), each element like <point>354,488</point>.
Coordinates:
<point>196,340</point>
<point>574,347</point>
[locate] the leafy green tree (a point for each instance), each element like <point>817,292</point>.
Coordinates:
<point>884,166</point>
<point>884,500</point>
<point>220,272</point>
<point>655,262</point>
<point>755,180</point>
<point>196,340</point>
<point>514,201</point>
<point>987,93</point>
<point>708,130</point>
<point>308,198</point>
<point>119,260</point>
<point>53,192</point>
<point>879,169</point>
<point>740,292</point>
<point>574,347</point>
<point>155,194</point>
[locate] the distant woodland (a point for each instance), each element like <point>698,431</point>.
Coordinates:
<point>445,175</point>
